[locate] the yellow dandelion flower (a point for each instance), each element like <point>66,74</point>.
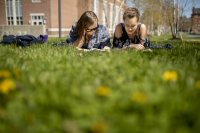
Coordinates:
<point>99,127</point>
<point>81,54</point>
<point>4,74</point>
<point>197,84</point>
<point>170,76</point>
<point>6,86</point>
<point>16,73</point>
<point>103,91</point>
<point>139,97</point>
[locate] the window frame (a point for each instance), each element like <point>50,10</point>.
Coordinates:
<point>37,18</point>
<point>14,12</point>
<point>36,1</point>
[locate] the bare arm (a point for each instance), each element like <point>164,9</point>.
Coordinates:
<point>118,31</point>
<point>117,43</point>
<point>80,42</point>
<point>143,35</point>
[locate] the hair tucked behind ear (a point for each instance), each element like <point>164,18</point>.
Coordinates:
<point>131,13</point>
<point>87,18</point>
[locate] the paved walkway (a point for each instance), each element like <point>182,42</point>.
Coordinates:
<point>194,36</point>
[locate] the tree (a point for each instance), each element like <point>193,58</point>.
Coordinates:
<point>157,13</point>
<point>117,13</point>
<point>151,14</point>
<point>114,22</point>
<point>176,9</point>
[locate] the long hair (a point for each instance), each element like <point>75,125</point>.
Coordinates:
<point>87,18</point>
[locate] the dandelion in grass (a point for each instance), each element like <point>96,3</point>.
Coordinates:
<point>99,127</point>
<point>4,74</point>
<point>81,54</point>
<point>103,91</point>
<point>139,97</point>
<point>16,73</point>
<point>197,84</point>
<point>6,86</point>
<point>170,75</point>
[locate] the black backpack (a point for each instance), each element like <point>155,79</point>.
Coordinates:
<point>26,40</point>
<point>23,41</point>
<point>9,39</point>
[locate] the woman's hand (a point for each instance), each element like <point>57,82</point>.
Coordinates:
<point>136,46</point>
<point>82,49</point>
<point>107,49</point>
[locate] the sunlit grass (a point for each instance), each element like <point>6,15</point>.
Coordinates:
<point>60,89</point>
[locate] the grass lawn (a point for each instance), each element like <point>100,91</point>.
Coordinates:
<point>57,89</point>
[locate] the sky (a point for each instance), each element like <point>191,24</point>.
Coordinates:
<point>188,10</point>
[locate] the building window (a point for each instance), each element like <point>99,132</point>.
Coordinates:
<point>36,1</point>
<point>14,12</point>
<point>104,12</point>
<point>111,15</point>
<point>96,7</point>
<point>37,19</point>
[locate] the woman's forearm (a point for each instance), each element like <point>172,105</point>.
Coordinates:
<point>136,46</point>
<point>79,42</point>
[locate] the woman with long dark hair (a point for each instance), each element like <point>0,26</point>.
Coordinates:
<point>88,34</point>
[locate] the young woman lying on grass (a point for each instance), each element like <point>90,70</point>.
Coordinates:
<point>130,34</point>
<point>87,34</point>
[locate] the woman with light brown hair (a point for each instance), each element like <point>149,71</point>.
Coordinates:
<point>131,34</point>
<point>88,34</point>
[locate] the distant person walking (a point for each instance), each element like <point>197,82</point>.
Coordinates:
<point>131,34</point>
<point>87,34</point>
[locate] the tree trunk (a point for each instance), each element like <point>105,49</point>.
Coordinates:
<point>117,13</point>
<point>174,20</point>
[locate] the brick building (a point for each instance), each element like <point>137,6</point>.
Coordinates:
<point>184,24</point>
<point>45,12</point>
<point>195,28</point>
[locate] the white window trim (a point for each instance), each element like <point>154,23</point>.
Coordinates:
<point>13,3</point>
<point>14,12</point>
<point>36,1</point>
<point>37,14</point>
